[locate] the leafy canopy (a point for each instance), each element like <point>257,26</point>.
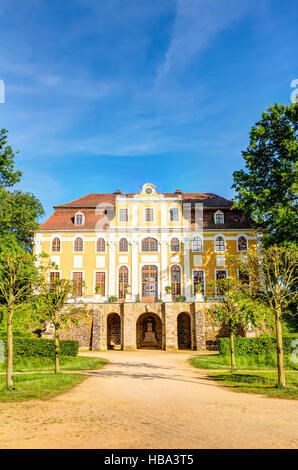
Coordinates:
<point>266,190</point>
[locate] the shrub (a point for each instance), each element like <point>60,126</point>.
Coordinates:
<point>33,347</point>
<point>180,298</point>
<point>263,344</point>
<point>113,299</point>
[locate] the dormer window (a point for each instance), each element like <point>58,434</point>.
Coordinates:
<point>79,219</point>
<point>219,217</point>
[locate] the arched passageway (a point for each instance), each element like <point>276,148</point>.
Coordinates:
<point>114,331</point>
<point>184,331</point>
<point>149,331</point>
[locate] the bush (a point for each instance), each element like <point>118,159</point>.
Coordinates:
<point>180,298</point>
<point>113,299</point>
<point>263,344</point>
<point>33,347</point>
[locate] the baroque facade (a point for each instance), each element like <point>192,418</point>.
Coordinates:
<point>147,252</point>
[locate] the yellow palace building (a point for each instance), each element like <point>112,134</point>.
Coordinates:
<point>137,245</point>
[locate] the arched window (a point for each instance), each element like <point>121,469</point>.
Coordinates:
<point>219,244</point>
<point>242,244</point>
<point>78,245</point>
<point>218,217</point>
<point>56,245</point>
<point>176,280</point>
<point>122,281</point>
<point>197,244</point>
<point>149,244</point>
<point>175,245</point>
<point>100,245</point>
<point>123,245</point>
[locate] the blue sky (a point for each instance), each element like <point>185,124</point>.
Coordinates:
<point>105,95</point>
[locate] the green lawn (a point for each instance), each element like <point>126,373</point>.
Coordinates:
<point>253,362</point>
<point>26,364</point>
<point>251,374</point>
<point>38,386</point>
<point>259,382</point>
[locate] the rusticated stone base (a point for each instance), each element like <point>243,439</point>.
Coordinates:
<point>176,325</point>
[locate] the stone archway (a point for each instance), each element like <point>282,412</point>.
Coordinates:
<point>184,331</point>
<point>149,331</point>
<point>114,331</point>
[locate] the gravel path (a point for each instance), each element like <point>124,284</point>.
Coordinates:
<point>150,399</point>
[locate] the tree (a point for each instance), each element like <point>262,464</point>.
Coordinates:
<point>8,175</point>
<point>235,309</point>
<point>275,271</point>
<point>56,305</point>
<point>19,211</point>
<point>267,191</point>
<point>19,274</point>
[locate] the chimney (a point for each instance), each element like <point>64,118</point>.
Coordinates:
<point>178,191</point>
<point>117,191</point>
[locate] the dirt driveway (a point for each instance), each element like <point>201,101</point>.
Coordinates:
<point>148,399</point>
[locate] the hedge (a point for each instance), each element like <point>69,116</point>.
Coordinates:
<point>24,346</point>
<point>249,346</point>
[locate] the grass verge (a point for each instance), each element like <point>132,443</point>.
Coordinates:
<point>28,364</point>
<point>264,383</point>
<point>38,386</point>
<point>252,362</point>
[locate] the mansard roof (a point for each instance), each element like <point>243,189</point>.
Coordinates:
<point>63,217</point>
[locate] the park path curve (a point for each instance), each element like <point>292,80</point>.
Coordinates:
<point>150,399</point>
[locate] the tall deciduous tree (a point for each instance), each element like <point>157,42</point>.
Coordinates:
<point>58,304</point>
<point>275,271</point>
<point>19,275</point>
<point>236,309</point>
<point>19,211</point>
<point>266,190</point>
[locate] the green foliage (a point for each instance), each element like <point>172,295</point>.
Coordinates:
<point>267,190</point>
<point>264,344</point>
<point>25,346</point>
<point>39,386</point>
<point>8,175</point>
<point>138,300</point>
<point>180,298</point>
<point>112,299</point>
<point>26,363</point>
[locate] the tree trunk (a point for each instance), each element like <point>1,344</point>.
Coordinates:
<point>279,350</point>
<point>233,362</point>
<point>9,367</point>
<point>57,346</point>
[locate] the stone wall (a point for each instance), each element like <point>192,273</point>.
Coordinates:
<point>123,326</point>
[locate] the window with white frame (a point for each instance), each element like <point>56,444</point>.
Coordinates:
<point>56,245</point>
<point>242,244</point>
<point>219,217</point>
<point>220,244</point>
<point>79,219</point>
<point>123,215</point>
<point>174,214</point>
<point>197,244</point>
<point>149,214</point>
<point>198,279</point>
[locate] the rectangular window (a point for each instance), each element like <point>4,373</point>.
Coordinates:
<point>174,214</point>
<point>149,214</point>
<point>100,280</point>
<point>221,274</point>
<point>123,215</point>
<point>54,275</point>
<point>198,278</point>
<point>79,219</point>
<point>77,277</point>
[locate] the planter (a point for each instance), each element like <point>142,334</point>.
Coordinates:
<point>168,297</point>
<point>127,297</point>
<point>199,297</point>
<point>98,297</point>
